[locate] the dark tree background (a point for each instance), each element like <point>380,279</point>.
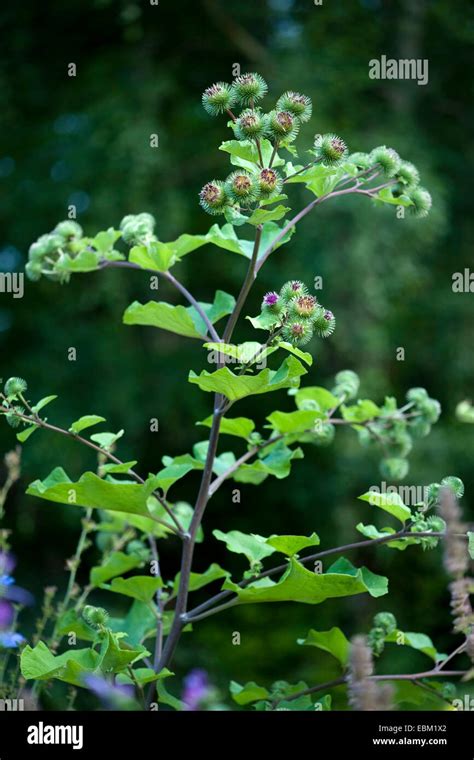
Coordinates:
<point>85,140</point>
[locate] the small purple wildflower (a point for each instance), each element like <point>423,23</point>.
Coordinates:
<point>110,694</point>
<point>196,689</point>
<point>270,299</point>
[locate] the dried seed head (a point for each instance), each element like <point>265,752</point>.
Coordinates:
<point>283,125</point>
<point>242,188</point>
<point>269,182</point>
<point>213,197</point>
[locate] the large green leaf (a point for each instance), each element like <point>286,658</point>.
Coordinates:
<point>275,461</point>
<point>141,587</point>
<point>314,397</point>
<point>182,320</point>
<point>332,641</point>
<point>249,692</point>
<point>235,387</point>
<point>241,427</point>
<point>294,422</point>
<point>418,641</point>
<point>298,584</point>
<point>198,580</point>
<point>116,655</point>
<point>362,411</point>
<point>244,153</point>
<point>291,545</point>
<point>85,422</point>
<point>370,531</point>
<point>41,664</point>
<point>92,491</point>
<point>262,215</point>
<point>254,547</point>
<point>243,353</point>
<point>143,676</point>
<point>116,563</point>
<point>390,502</point>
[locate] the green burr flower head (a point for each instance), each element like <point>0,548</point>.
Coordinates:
<point>298,332</point>
<point>323,434</point>
<point>14,386</point>
<point>347,384</point>
<point>213,197</point>
<point>408,176</point>
<point>394,468</point>
<point>136,227</point>
<point>252,124</point>
<point>12,417</point>
<point>218,98</point>
<point>361,160</point>
<point>297,104</point>
<point>303,306</point>
<point>269,181</point>
<point>386,621</point>
<point>95,616</point>
<point>283,125</point>
<point>387,158</point>
<point>68,229</point>
<point>324,322</point>
<point>419,427</point>
<point>242,188</point>
<point>417,395</point>
<point>293,289</point>
<point>33,270</point>
<point>330,149</point>
<point>247,89</point>
<point>46,245</point>
<point>421,202</point>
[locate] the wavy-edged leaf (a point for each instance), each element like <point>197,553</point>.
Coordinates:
<point>247,693</point>
<point>141,587</point>
<point>92,491</point>
<point>389,502</point>
<point>89,420</point>
<point>333,641</point>
<point>298,584</point>
<point>235,387</point>
<point>241,427</point>
<point>198,580</point>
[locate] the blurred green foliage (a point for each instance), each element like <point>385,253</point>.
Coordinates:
<point>85,140</point>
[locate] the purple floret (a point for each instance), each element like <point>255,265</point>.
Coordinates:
<point>196,689</point>
<point>271,299</point>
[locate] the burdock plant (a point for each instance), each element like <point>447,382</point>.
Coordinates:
<point>129,514</point>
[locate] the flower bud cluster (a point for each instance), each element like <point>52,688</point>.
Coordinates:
<point>298,314</point>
